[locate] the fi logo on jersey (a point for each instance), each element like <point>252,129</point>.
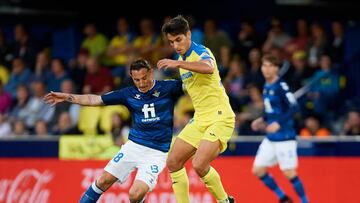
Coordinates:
<point>149,113</point>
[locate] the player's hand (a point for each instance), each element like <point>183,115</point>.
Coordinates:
<point>53,98</point>
<point>167,63</point>
<point>258,124</point>
<point>273,127</point>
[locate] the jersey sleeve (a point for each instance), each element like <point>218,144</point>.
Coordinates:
<point>203,53</point>
<point>289,100</point>
<point>176,88</point>
<point>114,97</point>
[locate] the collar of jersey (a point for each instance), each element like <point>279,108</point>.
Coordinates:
<point>149,89</point>
<point>271,84</point>
<point>188,52</point>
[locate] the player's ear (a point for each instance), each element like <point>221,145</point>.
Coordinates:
<point>188,34</point>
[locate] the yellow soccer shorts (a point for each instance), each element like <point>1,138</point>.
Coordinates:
<point>222,130</point>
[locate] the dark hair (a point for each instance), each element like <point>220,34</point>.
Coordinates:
<point>272,59</point>
<point>176,26</point>
<point>139,64</point>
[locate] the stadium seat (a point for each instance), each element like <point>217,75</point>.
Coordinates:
<point>88,119</point>
<point>106,116</point>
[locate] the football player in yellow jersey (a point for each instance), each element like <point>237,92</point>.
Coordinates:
<point>206,135</point>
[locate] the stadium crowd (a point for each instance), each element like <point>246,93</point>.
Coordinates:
<point>312,63</point>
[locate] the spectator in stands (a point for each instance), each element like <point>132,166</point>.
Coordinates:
<point>19,129</point>
<point>301,40</point>
<point>98,80</point>
<point>352,123</point>
<point>234,84</point>
<point>276,36</point>
<point>336,45</point>
<point>182,112</point>
<point>251,111</point>
<point>247,39</point>
<point>42,67</point>
<point>147,45</point>
<point>5,99</point>
<point>20,74</point>
<point>36,108</point>
<point>20,102</point>
<point>215,39</point>
<point>197,35</point>
<point>64,125</point>
<point>95,42</point>
<point>324,87</point>
<point>254,74</point>
<point>58,75</point>
<point>299,73</point>
<point>121,44</point>
<point>25,47</point>
<point>41,129</point>
<point>67,86</point>
<point>4,74</point>
<point>313,128</point>
<point>224,62</point>
<point>118,129</point>
<point>317,45</point>
<point>78,69</point>
<point>5,126</point>
<point>120,49</point>
<point>5,50</point>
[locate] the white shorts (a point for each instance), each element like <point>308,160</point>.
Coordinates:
<point>283,152</point>
<point>149,162</point>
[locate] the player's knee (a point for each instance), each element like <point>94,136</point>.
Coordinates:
<point>135,195</point>
<point>259,171</point>
<point>173,165</point>
<point>290,173</point>
<point>200,168</point>
<point>105,181</point>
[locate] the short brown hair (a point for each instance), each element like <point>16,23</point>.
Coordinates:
<point>176,26</point>
<point>272,59</point>
<point>139,64</point>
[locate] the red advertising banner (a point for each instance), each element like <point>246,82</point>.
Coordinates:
<point>326,180</point>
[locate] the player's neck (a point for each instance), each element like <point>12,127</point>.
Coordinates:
<point>272,79</point>
<point>152,86</point>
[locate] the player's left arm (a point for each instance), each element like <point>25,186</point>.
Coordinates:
<point>177,89</point>
<point>290,103</point>
<point>291,107</point>
<point>203,66</point>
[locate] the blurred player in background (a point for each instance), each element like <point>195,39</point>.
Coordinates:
<point>151,103</point>
<point>206,135</point>
<point>280,145</point>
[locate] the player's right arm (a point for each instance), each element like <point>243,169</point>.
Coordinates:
<point>258,124</point>
<point>53,98</point>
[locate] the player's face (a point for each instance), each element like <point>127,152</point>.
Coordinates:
<point>269,70</point>
<point>143,79</point>
<point>181,43</point>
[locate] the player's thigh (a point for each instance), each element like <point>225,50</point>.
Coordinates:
<point>184,147</point>
<point>179,153</point>
<point>207,151</point>
<point>192,133</point>
<point>124,162</point>
<point>151,165</point>
<point>222,131</point>
<point>286,154</point>
<point>265,155</point>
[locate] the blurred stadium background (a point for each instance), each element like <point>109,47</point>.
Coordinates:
<point>53,154</point>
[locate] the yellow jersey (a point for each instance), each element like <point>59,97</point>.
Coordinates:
<point>121,41</point>
<point>207,93</point>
